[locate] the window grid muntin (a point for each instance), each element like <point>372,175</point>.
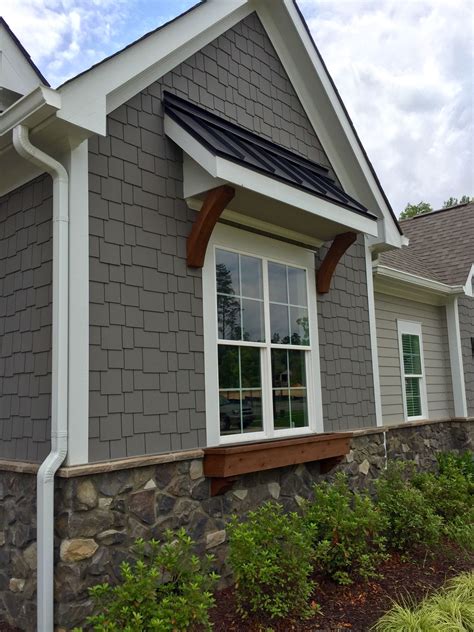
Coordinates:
<point>269,428</point>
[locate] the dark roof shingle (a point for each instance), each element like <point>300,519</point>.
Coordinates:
<point>441,245</point>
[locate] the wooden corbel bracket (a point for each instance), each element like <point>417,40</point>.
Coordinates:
<point>214,203</point>
<point>326,270</point>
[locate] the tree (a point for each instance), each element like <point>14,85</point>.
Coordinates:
<point>411,210</point>
<point>452,201</point>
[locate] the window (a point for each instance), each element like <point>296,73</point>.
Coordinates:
<point>262,373</point>
<point>413,379</point>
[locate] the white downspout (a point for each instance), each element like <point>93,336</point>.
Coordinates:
<point>59,386</point>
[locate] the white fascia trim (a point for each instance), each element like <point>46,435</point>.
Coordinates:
<point>434,287</point>
<point>469,285</point>
<point>456,359</point>
<point>414,328</point>
<point>78,405</point>
<point>41,98</point>
<point>90,97</point>
<point>373,334</point>
<point>295,53</point>
<point>225,170</point>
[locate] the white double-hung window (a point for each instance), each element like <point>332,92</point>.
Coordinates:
<point>412,367</point>
<point>261,347</point>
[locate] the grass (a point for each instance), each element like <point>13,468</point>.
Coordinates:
<point>451,609</point>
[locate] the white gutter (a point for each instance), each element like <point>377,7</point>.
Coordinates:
<point>59,387</point>
<point>41,98</point>
<point>436,287</point>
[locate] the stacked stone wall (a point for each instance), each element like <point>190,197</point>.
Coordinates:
<point>99,514</point>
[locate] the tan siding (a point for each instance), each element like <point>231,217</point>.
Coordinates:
<point>435,350</point>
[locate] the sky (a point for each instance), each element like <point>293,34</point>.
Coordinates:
<point>404,68</point>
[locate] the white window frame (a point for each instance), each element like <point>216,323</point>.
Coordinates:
<point>247,243</point>
<point>412,328</point>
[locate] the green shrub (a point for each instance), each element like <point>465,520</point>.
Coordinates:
<point>271,557</point>
<point>449,610</point>
<point>463,463</point>
<point>410,519</point>
<point>167,589</point>
<point>347,529</point>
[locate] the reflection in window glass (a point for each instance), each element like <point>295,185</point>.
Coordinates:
<point>290,406</point>
<point>239,297</point>
<point>288,305</point>
<point>240,391</point>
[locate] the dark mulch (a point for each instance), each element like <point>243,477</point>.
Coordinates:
<point>359,606</point>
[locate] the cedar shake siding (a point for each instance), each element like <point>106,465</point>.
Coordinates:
<point>466,325</point>
<point>437,367</point>
<point>345,349</point>
<point>25,320</point>
<point>146,340</point>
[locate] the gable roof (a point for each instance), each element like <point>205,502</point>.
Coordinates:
<point>23,51</point>
<point>239,145</point>
<point>87,99</point>
<point>441,245</point>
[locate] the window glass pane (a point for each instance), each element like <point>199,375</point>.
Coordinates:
<point>252,317</point>
<point>229,318</point>
<point>251,274</point>
<point>411,354</point>
<point>298,408</point>
<point>227,272</point>
<point>250,367</point>
<point>413,395</point>
<point>277,283</point>
<point>230,412</point>
<point>228,367</point>
<point>240,411</point>
<point>297,286</point>
<point>299,326</point>
<point>279,326</point>
<point>297,362</point>
<point>281,409</point>
<point>279,368</point>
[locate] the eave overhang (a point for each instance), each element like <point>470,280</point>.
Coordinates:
<point>260,193</point>
<point>413,287</point>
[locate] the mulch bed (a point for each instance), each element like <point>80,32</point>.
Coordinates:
<point>357,607</point>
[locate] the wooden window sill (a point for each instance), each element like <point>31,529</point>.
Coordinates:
<point>224,463</point>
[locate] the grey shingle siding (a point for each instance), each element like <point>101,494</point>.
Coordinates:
<point>25,320</point>
<point>146,342</point>
<point>345,348</point>
<point>466,323</point>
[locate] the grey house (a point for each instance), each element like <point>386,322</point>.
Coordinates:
<point>190,237</point>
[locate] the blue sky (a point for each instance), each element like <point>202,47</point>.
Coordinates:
<point>403,67</point>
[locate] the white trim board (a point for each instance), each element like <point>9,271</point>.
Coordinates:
<point>456,359</point>
<point>373,333</point>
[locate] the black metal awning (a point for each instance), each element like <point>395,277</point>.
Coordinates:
<point>232,142</point>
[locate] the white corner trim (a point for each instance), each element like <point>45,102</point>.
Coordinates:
<point>414,328</point>
<point>455,357</point>
<point>373,334</point>
<point>469,285</point>
<point>78,451</point>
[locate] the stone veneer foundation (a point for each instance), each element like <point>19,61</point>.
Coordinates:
<point>102,508</point>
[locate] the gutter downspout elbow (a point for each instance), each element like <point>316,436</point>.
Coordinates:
<point>59,378</point>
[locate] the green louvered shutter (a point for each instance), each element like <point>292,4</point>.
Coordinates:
<point>413,373</point>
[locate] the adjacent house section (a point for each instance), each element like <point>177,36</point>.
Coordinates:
<point>427,287</point>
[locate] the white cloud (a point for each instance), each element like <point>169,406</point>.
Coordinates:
<point>405,72</point>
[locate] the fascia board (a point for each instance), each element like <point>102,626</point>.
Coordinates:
<point>269,187</point>
<point>190,146</point>
<point>469,285</point>
<point>323,108</point>
<point>88,98</point>
<point>429,285</point>
<point>34,107</point>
